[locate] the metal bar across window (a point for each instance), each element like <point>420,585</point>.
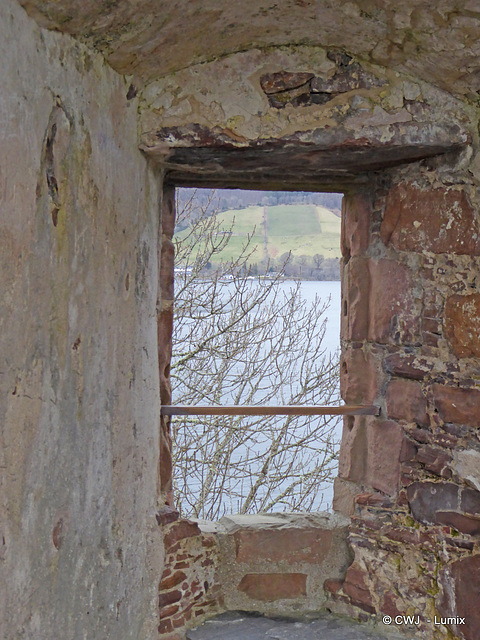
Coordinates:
<point>285,410</point>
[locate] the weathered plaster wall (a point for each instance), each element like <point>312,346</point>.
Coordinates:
<point>320,114</point>
<point>80,553</point>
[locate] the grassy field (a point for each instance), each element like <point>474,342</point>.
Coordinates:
<point>302,229</point>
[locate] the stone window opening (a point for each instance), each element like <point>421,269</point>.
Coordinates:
<point>385,309</point>
<point>251,476</point>
<point>261,544</point>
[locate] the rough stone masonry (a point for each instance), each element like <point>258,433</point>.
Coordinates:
<point>104,107</point>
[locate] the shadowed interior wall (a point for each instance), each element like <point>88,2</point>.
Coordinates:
<point>80,553</point>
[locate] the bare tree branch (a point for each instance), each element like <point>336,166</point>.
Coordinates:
<point>245,340</point>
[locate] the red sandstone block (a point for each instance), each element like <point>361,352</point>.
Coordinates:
<point>428,498</point>
<point>373,500</point>
<point>469,525</point>
<point>332,586</point>
<point>356,299</point>
<point>352,458</point>
<point>462,325</point>
<point>401,534</point>
<point>166,279</point>
<point>385,439</point>
<point>461,596</point>
<point>165,626</point>
<point>355,586</point>
<point>180,622</point>
<point>406,401</point>
<point>173,580</point>
<point>408,451</point>
<point>170,597</point>
<point>434,459</point>
<point>167,515</point>
<point>169,610</point>
<point>437,220</point>
<point>389,604</point>
<point>392,314</point>
<point>407,365</point>
<point>421,435</point>
<point>356,213</point>
<point>208,541</point>
<point>180,530</point>
<point>457,405</point>
<point>168,210</point>
<point>165,462</point>
<point>268,587</point>
<point>359,373</point>
<point>282,545</point>
<point>430,339</point>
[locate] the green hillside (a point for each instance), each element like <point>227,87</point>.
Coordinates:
<point>306,230</point>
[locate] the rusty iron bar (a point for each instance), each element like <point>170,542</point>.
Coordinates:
<point>285,410</point>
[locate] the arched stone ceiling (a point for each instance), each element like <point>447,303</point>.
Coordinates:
<point>436,41</point>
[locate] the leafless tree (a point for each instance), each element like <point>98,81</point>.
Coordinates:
<point>244,340</point>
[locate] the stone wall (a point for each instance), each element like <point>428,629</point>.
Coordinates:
<point>405,153</point>
<point>410,478</point>
<point>85,363</point>
<point>276,564</point>
<point>189,588</point>
<point>80,550</point>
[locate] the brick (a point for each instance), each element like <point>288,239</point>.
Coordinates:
<point>282,545</point>
<point>268,587</point>
<point>457,405</point>
<point>436,220</point>
<point>406,401</point>
<point>462,325</point>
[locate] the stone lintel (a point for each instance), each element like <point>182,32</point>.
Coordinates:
<point>197,155</point>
